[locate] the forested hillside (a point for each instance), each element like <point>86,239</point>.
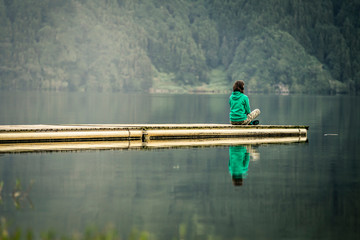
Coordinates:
<point>120,45</point>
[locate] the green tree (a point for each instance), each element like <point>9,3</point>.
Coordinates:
<point>277,58</point>
<point>117,44</point>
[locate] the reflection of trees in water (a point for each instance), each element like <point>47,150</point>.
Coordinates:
<point>18,194</point>
<point>109,232</point>
<point>1,188</point>
<point>194,198</point>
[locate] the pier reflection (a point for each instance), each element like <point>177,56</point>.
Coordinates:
<point>239,159</point>
<point>147,145</point>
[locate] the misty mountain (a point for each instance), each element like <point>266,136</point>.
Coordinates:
<point>139,45</point>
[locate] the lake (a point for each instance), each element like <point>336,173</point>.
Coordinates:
<point>289,191</point>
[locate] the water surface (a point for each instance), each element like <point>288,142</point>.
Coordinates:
<point>288,191</point>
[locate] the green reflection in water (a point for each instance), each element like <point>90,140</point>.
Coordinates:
<point>19,195</point>
<point>238,164</point>
<point>239,159</point>
<point>91,233</point>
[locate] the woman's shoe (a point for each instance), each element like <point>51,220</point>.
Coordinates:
<point>255,122</point>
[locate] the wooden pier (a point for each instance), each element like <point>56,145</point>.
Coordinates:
<point>19,138</point>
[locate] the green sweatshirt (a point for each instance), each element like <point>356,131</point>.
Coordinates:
<point>239,106</point>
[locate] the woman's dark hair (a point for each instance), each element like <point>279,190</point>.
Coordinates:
<point>239,86</point>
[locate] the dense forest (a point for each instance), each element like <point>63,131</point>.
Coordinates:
<point>307,46</point>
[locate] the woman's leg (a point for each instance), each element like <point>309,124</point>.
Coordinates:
<point>237,123</point>
<point>251,116</point>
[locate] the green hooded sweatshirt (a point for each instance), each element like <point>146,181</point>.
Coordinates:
<point>239,107</point>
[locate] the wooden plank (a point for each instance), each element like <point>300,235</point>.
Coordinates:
<point>144,132</point>
<point>98,127</point>
<point>223,132</point>
<point>68,135</point>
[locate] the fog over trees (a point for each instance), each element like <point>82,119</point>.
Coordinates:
<point>310,46</point>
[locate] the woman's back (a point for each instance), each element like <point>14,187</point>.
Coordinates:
<point>239,106</point>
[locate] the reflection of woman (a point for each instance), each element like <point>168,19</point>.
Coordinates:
<point>238,164</point>
<point>240,113</point>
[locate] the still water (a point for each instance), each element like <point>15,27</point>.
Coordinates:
<point>288,191</point>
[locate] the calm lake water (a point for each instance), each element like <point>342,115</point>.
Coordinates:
<point>291,191</point>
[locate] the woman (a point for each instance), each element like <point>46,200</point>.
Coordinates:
<point>240,113</point>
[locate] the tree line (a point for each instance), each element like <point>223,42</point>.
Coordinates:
<point>123,45</point>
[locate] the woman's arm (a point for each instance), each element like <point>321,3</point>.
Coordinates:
<point>247,106</point>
